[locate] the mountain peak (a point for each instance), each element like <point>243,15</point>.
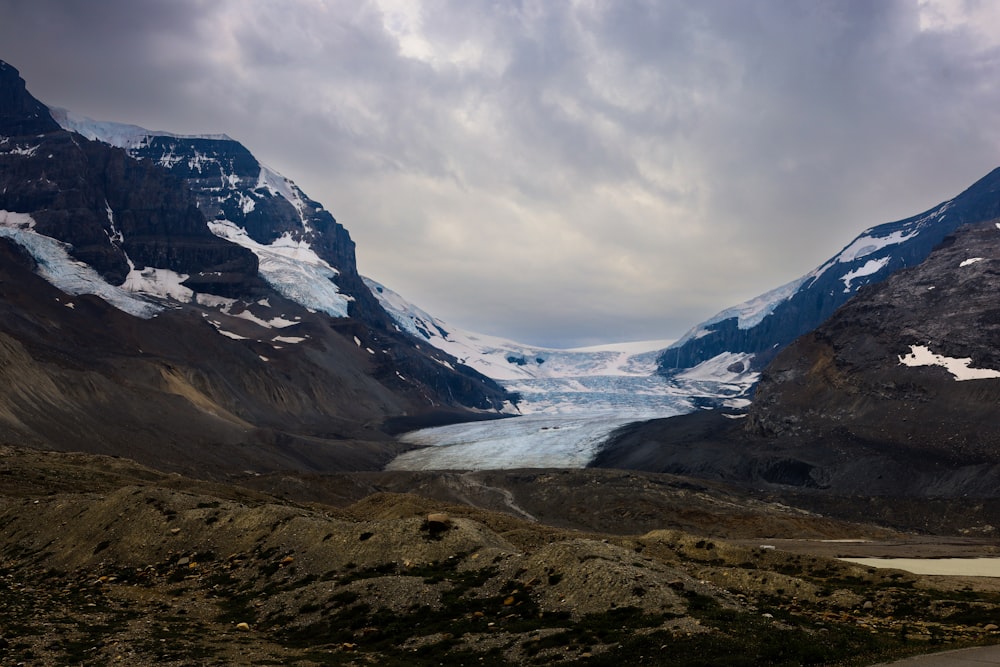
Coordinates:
<point>20,113</point>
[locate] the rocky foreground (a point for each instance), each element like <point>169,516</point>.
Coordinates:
<point>106,562</point>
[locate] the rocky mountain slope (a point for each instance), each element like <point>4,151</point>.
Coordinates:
<point>763,326</point>
<point>910,366</point>
<point>895,395</point>
<point>133,325</point>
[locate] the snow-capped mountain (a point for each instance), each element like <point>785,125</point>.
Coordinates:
<point>766,324</point>
<point>303,252</point>
<point>506,360</point>
<point>131,323</point>
<point>895,395</point>
<point>617,382</point>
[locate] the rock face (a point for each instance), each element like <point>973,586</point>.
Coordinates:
<point>20,113</point>
<point>910,367</point>
<point>896,395</point>
<point>112,210</point>
<point>128,327</point>
<point>230,184</point>
<point>766,324</point>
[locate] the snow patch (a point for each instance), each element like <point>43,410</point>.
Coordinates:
<point>292,268</point>
<point>717,368</point>
<point>16,220</point>
<point>214,301</point>
<point>921,355</point>
<point>870,267</point>
<point>55,265</point>
<point>230,334</point>
<point>971,260</point>
<point>291,340</point>
<point>866,245</point>
<point>273,323</point>
<point>162,283</point>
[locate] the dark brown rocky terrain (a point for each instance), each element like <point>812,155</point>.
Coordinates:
<point>106,562</point>
<point>847,376</point>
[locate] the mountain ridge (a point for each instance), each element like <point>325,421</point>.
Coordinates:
<point>895,395</point>
<point>210,367</point>
<point>767,323</point>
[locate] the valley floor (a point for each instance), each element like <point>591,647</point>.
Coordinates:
<point>107,562</point>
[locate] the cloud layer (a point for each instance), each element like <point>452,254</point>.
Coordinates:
<point>559,173</point>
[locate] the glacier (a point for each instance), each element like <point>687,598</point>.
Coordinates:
<point>571,400</point>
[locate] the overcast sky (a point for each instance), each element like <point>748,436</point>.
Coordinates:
<point>558,172</point>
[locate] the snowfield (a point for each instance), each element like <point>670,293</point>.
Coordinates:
<point>292,268</point>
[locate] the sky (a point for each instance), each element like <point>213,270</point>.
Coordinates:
<point>558,172</point>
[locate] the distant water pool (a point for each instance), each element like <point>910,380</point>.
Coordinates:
<point>956,567</point>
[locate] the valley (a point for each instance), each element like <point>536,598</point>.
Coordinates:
<point>221,444</point>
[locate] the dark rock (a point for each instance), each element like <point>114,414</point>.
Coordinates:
<point>20,113</point>
<point>846,378</point>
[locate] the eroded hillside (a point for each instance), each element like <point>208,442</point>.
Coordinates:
<point>107,562</point>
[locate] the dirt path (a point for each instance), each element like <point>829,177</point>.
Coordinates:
<point>470,482</point>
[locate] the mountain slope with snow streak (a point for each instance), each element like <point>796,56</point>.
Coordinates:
<point>764,325</point>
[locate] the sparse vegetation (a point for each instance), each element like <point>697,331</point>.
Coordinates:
<point>139,575</point>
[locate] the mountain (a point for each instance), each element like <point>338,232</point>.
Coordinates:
<point>766,324</point>
<point>134,325</point>
<point>257,208</point>
<point>910,367</point>
<point>896,395</point>
<point>506,360</point>
<point>607,384</point>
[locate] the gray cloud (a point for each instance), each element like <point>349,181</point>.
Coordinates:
<point>558,173</point>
